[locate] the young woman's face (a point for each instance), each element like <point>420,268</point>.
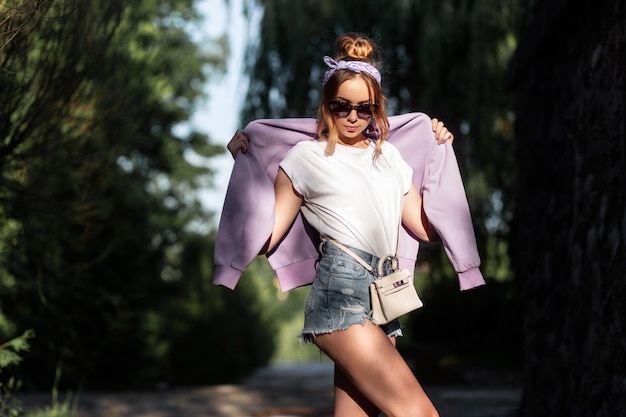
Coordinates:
<point>351,93</point>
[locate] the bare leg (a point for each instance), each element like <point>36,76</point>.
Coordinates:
<point>348,400</point>
<point>372,370</point>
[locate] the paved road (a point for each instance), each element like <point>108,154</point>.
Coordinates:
<point>278,391</point>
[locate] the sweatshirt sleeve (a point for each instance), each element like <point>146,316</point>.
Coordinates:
<point>447,209</point>
<point>247,215</point>
<point>437,177</point>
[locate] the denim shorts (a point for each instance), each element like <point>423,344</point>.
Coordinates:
<point>339,296</point>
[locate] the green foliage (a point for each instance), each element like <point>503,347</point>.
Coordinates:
<point>217,335</point>
<point>11,354</point>
<point>96,196</point>
<point>62,410</point>
<point>65,408</point>
<point>289,347</point>
<point>9,406</point>
<point>11,351</point>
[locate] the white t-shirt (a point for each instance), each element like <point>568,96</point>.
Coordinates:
<point>350,196</point>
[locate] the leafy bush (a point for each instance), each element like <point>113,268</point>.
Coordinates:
<point>10,355</point>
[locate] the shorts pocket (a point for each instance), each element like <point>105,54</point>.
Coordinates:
<point>349,269</point>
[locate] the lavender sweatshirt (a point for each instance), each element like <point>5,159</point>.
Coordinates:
<point>248,213</point>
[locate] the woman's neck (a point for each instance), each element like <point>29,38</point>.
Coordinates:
<point>360,142</point>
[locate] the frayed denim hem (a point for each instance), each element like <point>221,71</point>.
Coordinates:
<point>308,336</point>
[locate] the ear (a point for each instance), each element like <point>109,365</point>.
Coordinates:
<point>371,131</point>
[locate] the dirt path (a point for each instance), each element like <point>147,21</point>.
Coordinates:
<point>281,390</point>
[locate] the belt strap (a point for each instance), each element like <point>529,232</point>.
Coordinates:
<point>381,261</point>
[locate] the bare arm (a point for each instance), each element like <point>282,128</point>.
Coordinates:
<point>286,208</point>
<point>414,218</point>
<point>413,214</point>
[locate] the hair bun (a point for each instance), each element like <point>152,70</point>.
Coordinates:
<point>355,46</point>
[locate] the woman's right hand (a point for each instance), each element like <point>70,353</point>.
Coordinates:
<point>239,142</point>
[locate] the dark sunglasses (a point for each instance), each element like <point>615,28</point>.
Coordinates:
<point>343,109</point>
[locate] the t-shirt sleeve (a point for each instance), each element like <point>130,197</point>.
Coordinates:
<point>289,164</point>
<point>402,167</point>
<point>406,173</point>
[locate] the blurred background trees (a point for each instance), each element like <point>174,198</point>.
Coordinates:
<point>100,250</point>
<point>106,252</point>
<point>105,248</point>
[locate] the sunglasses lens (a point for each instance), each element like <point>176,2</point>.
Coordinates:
<point>342,109</point>
<point>364,111</point>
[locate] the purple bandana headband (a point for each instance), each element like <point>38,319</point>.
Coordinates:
<point>354,66</point>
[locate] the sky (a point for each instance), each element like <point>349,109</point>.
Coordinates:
<point>218,115</point>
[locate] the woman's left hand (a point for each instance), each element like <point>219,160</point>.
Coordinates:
<point>442,134</point>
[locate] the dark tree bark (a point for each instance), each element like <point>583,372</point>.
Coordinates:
<point>569,235</point>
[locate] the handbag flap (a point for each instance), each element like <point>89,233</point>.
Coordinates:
<point>397,280</point>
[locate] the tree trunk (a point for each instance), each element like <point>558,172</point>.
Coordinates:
<point>569,231</point>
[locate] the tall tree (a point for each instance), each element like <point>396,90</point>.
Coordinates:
<point>95,192</point>
<point>569,76</point>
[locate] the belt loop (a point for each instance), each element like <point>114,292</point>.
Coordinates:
<point>320,247</point>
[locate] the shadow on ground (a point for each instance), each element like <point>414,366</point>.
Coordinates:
<point>301,389</point>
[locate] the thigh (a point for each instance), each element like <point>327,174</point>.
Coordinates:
<point>376,369</point>
<point>349,401</point>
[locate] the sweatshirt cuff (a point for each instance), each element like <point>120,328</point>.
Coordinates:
<point>226,276</point>
<point>471,278</point>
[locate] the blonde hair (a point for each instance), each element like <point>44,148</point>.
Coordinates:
<point>352,47</point>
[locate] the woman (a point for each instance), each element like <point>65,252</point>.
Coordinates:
<point>353,187</point>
